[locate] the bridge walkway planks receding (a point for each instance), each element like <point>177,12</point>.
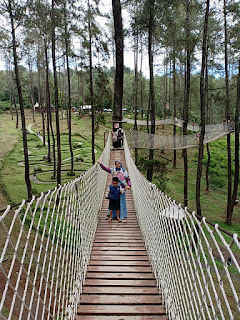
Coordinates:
<point>119,283</point>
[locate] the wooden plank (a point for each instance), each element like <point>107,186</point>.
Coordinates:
<point>119,269</point>
<point>119,263</point>
<point>121,283</point>
<point>119,248</point>
<point>120,299</point>
<point>117,240</point>
<point>121,309</point>
<point>126,234</point>
<point>123,317</point>
<point>119,275</point>
<point>122,253</point>
<point>118,257</point>
<point>120,290</point>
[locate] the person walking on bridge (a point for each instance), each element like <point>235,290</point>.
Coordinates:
<point>124,180</point>
<point>113,194</point>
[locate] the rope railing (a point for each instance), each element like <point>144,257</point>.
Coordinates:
<point>214,127</point>
<point>144,140</point>
<point>45,248</point>
<point>196,265</point>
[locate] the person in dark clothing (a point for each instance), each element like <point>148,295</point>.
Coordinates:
<point>113,194</point>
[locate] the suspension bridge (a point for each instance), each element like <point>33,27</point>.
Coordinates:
<point>59,258</point>
<point>144,140</point>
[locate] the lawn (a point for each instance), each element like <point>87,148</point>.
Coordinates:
<point>13,188</point>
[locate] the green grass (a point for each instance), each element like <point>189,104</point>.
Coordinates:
<point>12,187</point>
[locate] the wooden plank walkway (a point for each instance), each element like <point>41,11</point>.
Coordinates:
<point>119,283</point>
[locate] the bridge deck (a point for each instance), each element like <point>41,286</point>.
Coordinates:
<point>119,282</point>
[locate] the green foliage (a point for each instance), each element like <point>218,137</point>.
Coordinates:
<point>218,163</point>
<point>37,169</point>
<point>159,171</point>
<point>4,106</point>
<point>100,120</point>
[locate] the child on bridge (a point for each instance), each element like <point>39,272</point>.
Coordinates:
<point>113,194</point>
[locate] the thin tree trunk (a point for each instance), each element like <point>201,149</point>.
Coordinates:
<point>166,92</point>
<point>41,101</point>
<point>236,175</point>
<point>9,85</point>
<point>207,110</point>
<point>170,88</point>
<point>31,87</point>
<point>49,107</point>
<point>59,158</point>
<point>174,107</point>
<point>141,94</point>
<point>227,114</point>
<point>148,113</point>
<point>151,88</point>
<point>47,102</point>
<point>136,92</point>
<point>118,80</point>
<point>186,101</point>
<point>207,167</point>
<point>91,87</point>
<point>20,97</point>
<point>202,109</point>
<point>13,97</point>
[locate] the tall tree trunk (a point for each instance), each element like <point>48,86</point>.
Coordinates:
<point>141,83</point>
<point>207,167</point>
<point>59,157</point>
<point>48,104</point>
<point>170,88</point>
<point>207,120</point>
<point>236,175</point>
<point>118,80</point>
<point>49,107</point>
<point>151,88</point>
<point>166,91</point>
<point>148,113</point>
<point>13,96</point>
<point>181,95</point>
<point>20,97</point>
<point>69,90</point>
<point>91,86</point>
<point>202,109</point>
<point>227,113</point>
<point>136,92</point>
<point>186,100</point>
<point>8,72</point>
<point>41,101</point>
<point>174,106</point>
<point>31,87</point>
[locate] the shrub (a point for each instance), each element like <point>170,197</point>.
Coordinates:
<point>37,169</point>
<point>71,174</point>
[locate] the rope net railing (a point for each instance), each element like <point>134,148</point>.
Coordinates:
<point>196,265</point>
<point>144,140</point>
<point>215,127</point>
<point>46,245</point>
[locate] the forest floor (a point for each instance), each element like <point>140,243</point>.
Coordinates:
<point>12,184</point>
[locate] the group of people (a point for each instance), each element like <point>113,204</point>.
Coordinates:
<point>117,138</point>
<point>116,192</point>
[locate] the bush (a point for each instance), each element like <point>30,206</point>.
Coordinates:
<point>71,174</point>
<point>37,169</point>
<point>79,158</point>
<point>159,171</point>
